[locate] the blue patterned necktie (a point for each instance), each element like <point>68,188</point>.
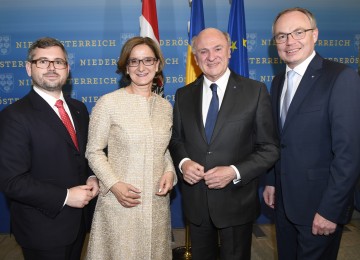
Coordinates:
<point>288,96</point>
<point>212,113</point>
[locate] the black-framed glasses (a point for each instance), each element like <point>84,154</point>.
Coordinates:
<point>297,35</point>
<point>148,61</point>
<point>44,63</point>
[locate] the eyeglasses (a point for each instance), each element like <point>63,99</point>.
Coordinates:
<point>297,35</point>
<point>148,61</point>
<point>44,64</point>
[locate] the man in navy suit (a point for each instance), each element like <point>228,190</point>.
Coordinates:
<point>312,185</point>
<point>220,170</point>
<point>43,170</point>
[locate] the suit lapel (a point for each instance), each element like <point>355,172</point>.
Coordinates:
<point>230,99</point>
<point>307,82</point>
<point>49,117</point>
<point>277,96</point>
<point>197,105</point>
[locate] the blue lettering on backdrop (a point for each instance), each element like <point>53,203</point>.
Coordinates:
<point>93,34</point>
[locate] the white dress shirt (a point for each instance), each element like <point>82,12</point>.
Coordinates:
<point>51,101</point>
<point>299,73</point>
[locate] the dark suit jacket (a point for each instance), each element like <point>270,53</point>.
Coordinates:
<point>38,162</point>
<point>244,136</point>
<point>320,143</point>
<point>357,196</point>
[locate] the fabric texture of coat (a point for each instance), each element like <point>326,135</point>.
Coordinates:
<point>136,132</point>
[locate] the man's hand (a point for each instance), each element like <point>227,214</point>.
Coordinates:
<point>127,195</point>
<point>219,177</point>
<point>166,183</point>
<point>79,196</point>
<point>192,172</point>
<point>322,226</point>
<point>94,183</point>
<point>269,196</point>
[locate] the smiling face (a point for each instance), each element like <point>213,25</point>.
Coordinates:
<point>142,75</point>
<point>212,53</point>
<point>51,80</point>
<point>293,52</point>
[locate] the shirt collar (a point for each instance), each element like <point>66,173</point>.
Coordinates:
<point>301,68</point>
<point>221,82</point>
<point>48,98</point>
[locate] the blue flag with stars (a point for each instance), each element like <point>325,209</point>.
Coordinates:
<point>237,30</point>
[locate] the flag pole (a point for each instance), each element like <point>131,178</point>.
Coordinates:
<point>196,24</point>
<point>184,252</point>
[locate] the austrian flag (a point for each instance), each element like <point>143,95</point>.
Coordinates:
<point>148,21</point>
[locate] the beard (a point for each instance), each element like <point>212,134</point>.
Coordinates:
<point>49,85</point>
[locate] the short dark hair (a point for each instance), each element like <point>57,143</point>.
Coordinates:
<point>129,46</point>
<point>44,43</point>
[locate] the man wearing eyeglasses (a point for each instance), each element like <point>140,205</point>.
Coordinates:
<point>316,107</point>
<point>43,170</point>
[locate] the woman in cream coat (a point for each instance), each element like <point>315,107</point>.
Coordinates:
<point>129,133</point>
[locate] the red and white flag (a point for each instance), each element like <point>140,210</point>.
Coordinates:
<point>149,28</point>
<point>149,21</point>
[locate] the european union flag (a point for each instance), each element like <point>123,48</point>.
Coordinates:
<point>237,30</point>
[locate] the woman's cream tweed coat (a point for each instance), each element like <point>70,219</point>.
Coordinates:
<point>136,132</point>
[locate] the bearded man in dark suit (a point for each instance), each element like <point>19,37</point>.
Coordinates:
<point>43,170</point>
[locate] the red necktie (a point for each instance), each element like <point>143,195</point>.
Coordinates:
<point>67,122</point>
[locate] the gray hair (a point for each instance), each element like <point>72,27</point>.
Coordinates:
<point>309,15</point>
